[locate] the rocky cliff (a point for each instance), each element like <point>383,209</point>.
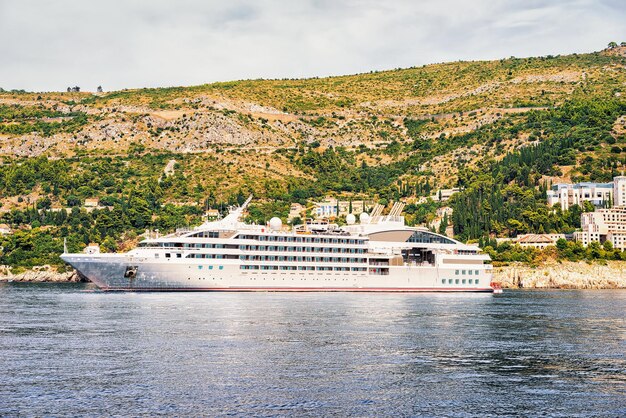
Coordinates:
<point>564,275</point>
<point>41,274</point>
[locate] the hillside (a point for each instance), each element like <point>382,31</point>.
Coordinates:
<point>391,134</point>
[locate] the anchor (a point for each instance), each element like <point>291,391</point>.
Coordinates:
<point>131,272</point>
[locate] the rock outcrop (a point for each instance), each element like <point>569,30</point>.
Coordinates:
<point>41,274</point>
<point>564,275</point>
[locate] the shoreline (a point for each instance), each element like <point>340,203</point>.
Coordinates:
<point>550,275</point>
<point>562,275</point>
<point>41,274</point>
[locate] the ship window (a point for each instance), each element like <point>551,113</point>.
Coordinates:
<point>476,272</point>
<point>167,255</point>
<point>156,255</point>
<point>429,237</point>
<point>456,272</point>
<point>210,267</point>
<point>449,281</point>
<point>443,281</point>
<point>221,267</point>
<point>463,272</point>
<point>199,267</point>
<point>463,281</point>
<point>456,281</point>
<point>470,272</point>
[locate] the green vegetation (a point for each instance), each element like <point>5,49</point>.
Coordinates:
<point>502,131</point>
<point>506,252</point>
<point>20,120</point>
<point>508,197</point>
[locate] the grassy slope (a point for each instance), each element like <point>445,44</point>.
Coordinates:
<point>232,136</point>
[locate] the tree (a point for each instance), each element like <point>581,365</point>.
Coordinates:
<point>99,89</point>
<point>73,200</point>
<point>444,224</point>
<point>594,250</point>
<point>588,206</point>
<point>622,43</point>
<point>612,45</point>
<point>44,203</point>
<point>109,245</point>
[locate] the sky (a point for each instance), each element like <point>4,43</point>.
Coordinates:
<point>48,45</point>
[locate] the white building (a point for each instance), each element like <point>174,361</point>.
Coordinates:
<point>603,225</point>
<point>575,194</point>
<point>539,241</point>
<point>212,214</point>
<point>296,210</point>
<point>444,194</point>
<point>619,191</point>
<point>328,207</point>
<point>92,202</point>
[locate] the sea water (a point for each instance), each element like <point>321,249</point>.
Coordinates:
<point>71,350</point>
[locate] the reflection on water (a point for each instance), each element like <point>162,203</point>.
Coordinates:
<point>67,351</point>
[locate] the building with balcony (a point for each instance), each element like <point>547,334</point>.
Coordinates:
<point>599,194</point>
<point>603,225</point>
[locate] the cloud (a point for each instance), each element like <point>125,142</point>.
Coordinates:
<point>49,45</point>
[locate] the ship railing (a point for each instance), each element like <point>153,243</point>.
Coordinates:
<point>387,218</point>
<point>419,264</point>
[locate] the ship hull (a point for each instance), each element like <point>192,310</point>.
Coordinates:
<point>110,272</point>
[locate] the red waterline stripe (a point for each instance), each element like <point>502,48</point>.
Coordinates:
<point>300,289</point>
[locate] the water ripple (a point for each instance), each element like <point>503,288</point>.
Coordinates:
<point>66,351</point>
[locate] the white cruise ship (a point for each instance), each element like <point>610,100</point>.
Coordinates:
<point>377,254</point>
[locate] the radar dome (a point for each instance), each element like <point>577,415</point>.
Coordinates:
<point>364,218</point>
<point>350,219</point>
<point>275,224</point>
